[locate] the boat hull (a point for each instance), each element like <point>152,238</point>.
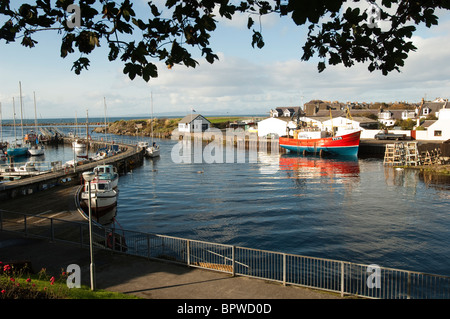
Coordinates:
<point>18,151</point>
<point>344,145</point>
<point>36,150</point>
<point>152,152</point>
<point>101,204</point>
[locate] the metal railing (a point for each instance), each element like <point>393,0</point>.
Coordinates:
<point>342,277</point>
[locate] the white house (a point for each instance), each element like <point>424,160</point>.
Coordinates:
<point>386,118</point>
<point>440,129</point>
<point>193,123</point>
<point>273,125</point>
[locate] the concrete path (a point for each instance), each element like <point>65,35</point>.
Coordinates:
<point>146,278</point>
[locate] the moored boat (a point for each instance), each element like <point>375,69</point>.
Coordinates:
<point>152,151</point>
<point>108,173</point>
<point>78,144</point>
<point>103,197</point>
<point>36,150</point>
<point>17,150</point>
<point>320,142</point>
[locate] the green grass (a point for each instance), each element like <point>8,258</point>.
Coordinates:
<point>222,119</point>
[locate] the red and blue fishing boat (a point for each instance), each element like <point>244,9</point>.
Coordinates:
<point>321,142</point>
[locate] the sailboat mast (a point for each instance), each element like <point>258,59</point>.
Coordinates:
<point>35,115</point>
<point>151,127</point>
<point>14,117</point>
<point>21,111</point>
<point>87,133</point>
<point>104,102</point>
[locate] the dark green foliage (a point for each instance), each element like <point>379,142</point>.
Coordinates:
<point>335,36</point>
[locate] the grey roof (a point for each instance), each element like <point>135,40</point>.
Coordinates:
<point>427,123</point>
<point>433,106</point>
<point>191,117</point>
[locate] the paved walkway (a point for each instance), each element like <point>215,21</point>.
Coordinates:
<point>146,278</point>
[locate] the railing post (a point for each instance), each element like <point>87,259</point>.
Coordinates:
<point>148,246</point>
<point>284,269</point>
<point>188,256</point>
<point>233,250</point>
<point>409,286</point>
<point>342,278</point>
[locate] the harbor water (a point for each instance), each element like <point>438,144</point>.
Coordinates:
<point>351,210</point>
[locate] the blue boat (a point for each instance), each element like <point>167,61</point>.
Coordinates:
<point>16,151</point>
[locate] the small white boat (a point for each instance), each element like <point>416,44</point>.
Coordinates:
<point>28,169</point>
<point>108,173</point>
<point>77,144</point>
<point>36,150</point>
<point>142,144</point>
<point>152,151</point>
<point>103,197</point>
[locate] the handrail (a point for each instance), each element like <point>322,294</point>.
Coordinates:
<point>346,278</point>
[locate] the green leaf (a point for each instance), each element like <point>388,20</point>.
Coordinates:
<point>80,64</point>
<point>149,71</point>
<point>257,39</point>
<point>250,22</point>
<point>321,66</point>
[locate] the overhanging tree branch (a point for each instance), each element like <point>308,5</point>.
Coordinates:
<point>336,35</point>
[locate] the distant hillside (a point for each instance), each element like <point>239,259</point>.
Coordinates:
<point>141,127</point>
<point>161,126</point>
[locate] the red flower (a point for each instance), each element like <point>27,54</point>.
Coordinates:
<point>12,279</point>
<point>28,279</point>
<point>3,291</point>
<point>52,280</point>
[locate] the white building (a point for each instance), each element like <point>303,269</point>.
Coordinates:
<point>272,125</point>
<point>193,123</point>
<point>440,130</point>
<point>386,118</point>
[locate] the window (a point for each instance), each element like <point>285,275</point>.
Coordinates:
<point>437,133</point>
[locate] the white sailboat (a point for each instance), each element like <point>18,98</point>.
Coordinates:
<point>153,150</point>
<point>36,148</point>
<point>3,144</point>
<point>77,143</point>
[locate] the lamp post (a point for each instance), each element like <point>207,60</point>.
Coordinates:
<point>88,177</point>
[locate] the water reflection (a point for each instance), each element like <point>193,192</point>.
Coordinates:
<point>412,178</point>
<point>437,181</point>
<point>401,177</point>
<point>311,168</point>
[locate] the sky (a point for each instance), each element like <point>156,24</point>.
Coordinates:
<point>245,80</point>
